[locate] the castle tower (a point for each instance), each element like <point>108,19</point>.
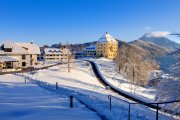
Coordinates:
<point>107,46</point>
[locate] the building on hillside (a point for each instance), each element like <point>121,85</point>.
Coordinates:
<point>90,51</point>
<point>55,54</point>
<point>106,47</point>
<point>18,55</point>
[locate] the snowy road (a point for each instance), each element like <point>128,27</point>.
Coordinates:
<point>26,101</point>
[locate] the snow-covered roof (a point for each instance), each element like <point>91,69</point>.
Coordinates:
<point>52,51</point>
<point>8,44</point>
<point>31,47</point>
<point>21,48</point>
<point>16,49</point>
<point>56,51</point>
<point>106,38</point>
<point>8,59</point>
<point>92,47</point>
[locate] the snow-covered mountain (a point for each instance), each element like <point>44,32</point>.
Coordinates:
<point>160,40</point>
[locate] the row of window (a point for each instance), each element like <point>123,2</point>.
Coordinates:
<point>89,51</point>
<point>57,55</point>
<point>108,55</point>
<point>24,57</point>
<point>55,58</point>
<point>91,54</point>
<point>106,48</point>
<point>100,51</point>
<point>106,44</point>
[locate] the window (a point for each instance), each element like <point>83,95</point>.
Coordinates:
<point>7,49</point>
<point>23,64</point>
<point>23,57</point>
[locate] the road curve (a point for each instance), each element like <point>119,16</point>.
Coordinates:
<point>112,88</point>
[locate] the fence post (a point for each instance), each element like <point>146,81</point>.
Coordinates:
<point>56,85</point>
<point>157,111</point>
<point>71,101</point>
<point>129,111</point>
<point>110,106</point>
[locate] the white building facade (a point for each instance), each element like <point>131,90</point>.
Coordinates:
<point>55,54</point>
<point>18,55</point>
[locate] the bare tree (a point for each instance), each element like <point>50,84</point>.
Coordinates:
<point>68,56</point>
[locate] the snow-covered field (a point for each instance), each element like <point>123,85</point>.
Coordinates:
<point>84,86</point>
<point>27,101</point>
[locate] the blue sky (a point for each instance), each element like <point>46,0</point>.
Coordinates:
<point>78,21</point>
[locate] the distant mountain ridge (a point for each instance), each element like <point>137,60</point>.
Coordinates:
<point>153,49</point>
<point>162,41</point>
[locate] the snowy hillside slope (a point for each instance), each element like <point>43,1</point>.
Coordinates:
<point>109,69</point>
<point>168,88</point>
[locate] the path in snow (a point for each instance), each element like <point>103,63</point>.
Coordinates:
<point>26,101</point>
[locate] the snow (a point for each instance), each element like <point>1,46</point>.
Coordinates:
<point>107,38</point>
<point>167,90</point>
<point>8,44</point>
<point>27,101</point>
<point>21,48</point>
<point>16,49</point>
<point>8,58</point>
<point>84,86</point>
<point>56,51</point>
<point>109,70</point>
<point>31,47</point>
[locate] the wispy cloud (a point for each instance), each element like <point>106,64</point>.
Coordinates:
<point>158,34</point>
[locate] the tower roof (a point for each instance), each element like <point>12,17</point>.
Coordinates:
<point>107,38</point>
